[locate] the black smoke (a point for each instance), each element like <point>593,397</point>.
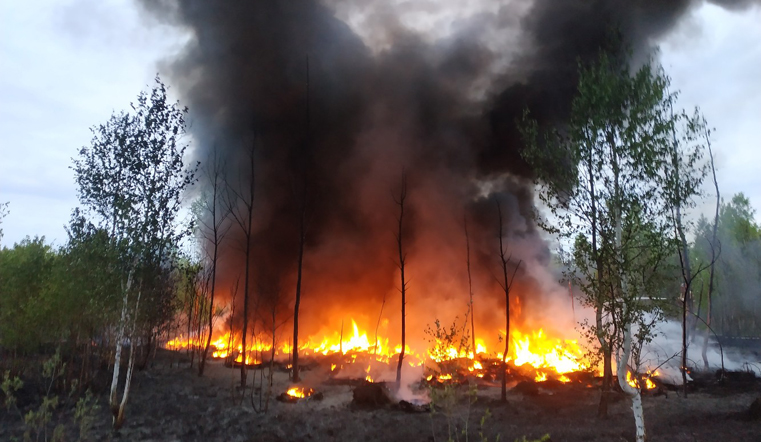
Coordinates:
<point>443,110</point>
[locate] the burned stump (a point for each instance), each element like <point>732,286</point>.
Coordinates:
<point>527,388</point>
<point>371,395</point>
<point>410,407</point>
<point>754,412</point>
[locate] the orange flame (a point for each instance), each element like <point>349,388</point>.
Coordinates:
<point>547,357</point>
<point>299,392</point>
<point>649,384</point>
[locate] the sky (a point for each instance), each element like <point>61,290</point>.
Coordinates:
<point>65,66</point>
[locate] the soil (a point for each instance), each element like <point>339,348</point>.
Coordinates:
<point>170,402</point>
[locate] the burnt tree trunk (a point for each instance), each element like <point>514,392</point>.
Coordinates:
<point>506,284</point>
<point>709,313</point>
<point>247,282</point>
<point>240,206</point>
<point>298,290</point>
<point>470,288</point>
<point>217,234</point>
<point>684,260</point>
<point>402,261</point>
<point>302,239</point>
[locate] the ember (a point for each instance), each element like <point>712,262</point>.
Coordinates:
<point>299,392</point>
<point>649,384</point>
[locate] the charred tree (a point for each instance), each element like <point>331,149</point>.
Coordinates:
<point>470,287</point>
<point>213,221</point>
<point>709,311</point>
<point>297,304</point>
<point>506,284</point>
<point>240,206</point>
<point>302,236</point>
<point>400,201</point>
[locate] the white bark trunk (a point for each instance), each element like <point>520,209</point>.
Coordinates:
<point>119,418</point>
<point>634,393</point>
<point>119,339</point>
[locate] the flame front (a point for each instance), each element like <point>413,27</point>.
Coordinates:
<point>533,353</point>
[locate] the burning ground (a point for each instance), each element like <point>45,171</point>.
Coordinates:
<point>170,402</point>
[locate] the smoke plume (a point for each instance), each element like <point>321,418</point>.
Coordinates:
<point>429,88</point>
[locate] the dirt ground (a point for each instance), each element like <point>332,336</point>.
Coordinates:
<point>169,402</point>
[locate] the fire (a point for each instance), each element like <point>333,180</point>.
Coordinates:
<point>649,384</point>
<point>299,392</point>
<point>544,356</point>
<point>541,352</point>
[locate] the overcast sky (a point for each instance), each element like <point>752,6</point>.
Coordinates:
<point>66,65</point>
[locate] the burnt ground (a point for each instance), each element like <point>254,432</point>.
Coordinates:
<point>169,402</point>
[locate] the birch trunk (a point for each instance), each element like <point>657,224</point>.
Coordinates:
<point>634,393</point>
<point>119,338</point>
<point>119,414</point>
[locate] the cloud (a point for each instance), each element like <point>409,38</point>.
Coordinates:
<point>715,60</point>
<point>65,68</point>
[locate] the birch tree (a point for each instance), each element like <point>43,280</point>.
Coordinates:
<point>601,178</point>
<point>131,179</point>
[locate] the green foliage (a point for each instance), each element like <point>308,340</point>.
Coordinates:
<point>3,214</point>
<point>482,427</point>
<point>612,180</point>
<point>24,294</point>
<point>52,295</point>
<point>10,386</point>
<point>37,421</point>
<point>132,176</point>
<point>85,414</point>
<point>736,305</point>
<point>738,219</point>
<point>545,438</point>
<point>451,399</point>
<point>456,405</point>
<point>442,340</point>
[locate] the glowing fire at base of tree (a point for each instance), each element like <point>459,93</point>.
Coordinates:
<point>649,384</point>
<point>299,392</point>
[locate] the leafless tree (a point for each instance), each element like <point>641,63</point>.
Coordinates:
<point>506,283</point>
<point>271,298</point>
<point>239,203</point>
<point>471,311</point>
<point>302,237</point>
<point>214,226</point>
<point>401,264</point>
<point>231,319</point>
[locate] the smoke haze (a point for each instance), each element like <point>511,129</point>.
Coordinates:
<point>431,88</point>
